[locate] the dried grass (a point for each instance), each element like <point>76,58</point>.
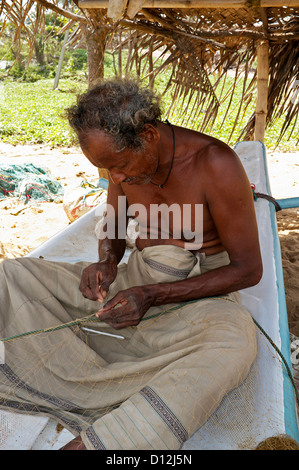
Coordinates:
<point>280,442</point>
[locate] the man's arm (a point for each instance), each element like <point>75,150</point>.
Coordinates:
<point>113,247</point>
<point>97,277</point>
<point>230,202</point>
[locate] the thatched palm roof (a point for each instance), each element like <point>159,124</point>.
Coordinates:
<point>218,38</point>
<point>201,46</point>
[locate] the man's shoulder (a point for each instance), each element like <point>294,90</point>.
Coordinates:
<point>206,145</point>
<point>218,164</point>
<point>213,154</point>
<point>219,153</point>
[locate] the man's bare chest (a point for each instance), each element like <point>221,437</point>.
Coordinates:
<point>150,194</point>
<point>169,211</point>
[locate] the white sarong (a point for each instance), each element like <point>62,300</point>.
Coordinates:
<point>151,390</point>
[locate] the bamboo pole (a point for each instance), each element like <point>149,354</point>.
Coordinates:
<point>197,3</point>
<point>262,90</point>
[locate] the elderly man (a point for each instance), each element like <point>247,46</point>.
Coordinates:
<point>187,339</point>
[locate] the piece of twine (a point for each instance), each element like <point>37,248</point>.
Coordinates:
<point>82,320</point>
<point>51,328</point>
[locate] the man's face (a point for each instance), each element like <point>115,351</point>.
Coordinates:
<point>124,166</point>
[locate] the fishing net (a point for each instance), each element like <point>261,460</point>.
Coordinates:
<point>28,182</point>
<point>117,387</point>
<point>36,389</point>
<point>121,392</point>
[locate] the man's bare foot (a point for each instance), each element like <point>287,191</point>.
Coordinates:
<point>75,444</point>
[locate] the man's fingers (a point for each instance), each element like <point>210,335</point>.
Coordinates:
<point>118,317</point>
<point>84,286</point>
<point>94,287</point>
<point>96,280</point>
<point>104,288</point>
<point>124,310</point>
<point>112,305</point>
<point>90,288</point>
<point>118,314</point>
<point>90,292</point>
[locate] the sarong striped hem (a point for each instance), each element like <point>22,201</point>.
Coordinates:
<point>165,413</point>
<point>143,422</point>
<point>163,268</point>
<point>94,439</point>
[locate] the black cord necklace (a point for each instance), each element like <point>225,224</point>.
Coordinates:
<point>173,136</point>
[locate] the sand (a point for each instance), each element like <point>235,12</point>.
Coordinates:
<point>35,223</point>
<point>283,171</point>
<point>24,228</point>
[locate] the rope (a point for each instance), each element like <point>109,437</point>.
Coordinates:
<point>53,328</point>
<point>82,321</point>
<point>267,197</point>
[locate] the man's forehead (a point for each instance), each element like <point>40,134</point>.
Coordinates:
<point>99,148</point>
<point>95,138</point>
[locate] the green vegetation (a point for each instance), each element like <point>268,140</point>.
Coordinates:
<point>32,112</point>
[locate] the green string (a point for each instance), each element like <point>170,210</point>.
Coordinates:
<point>48,330</point>
<point>87,320</point>
<point>254,195</point>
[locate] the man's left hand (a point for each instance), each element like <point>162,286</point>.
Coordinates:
<point>127,308</point>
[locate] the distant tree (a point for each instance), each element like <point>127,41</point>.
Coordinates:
<point>28,22</point>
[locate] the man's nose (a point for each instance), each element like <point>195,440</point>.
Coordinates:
<point>117,176</point>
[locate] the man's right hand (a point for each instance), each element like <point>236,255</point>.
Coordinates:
<point>97,278</point>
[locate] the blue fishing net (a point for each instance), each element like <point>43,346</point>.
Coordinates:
<point>28,182</point>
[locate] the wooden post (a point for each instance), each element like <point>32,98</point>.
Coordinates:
<point>151,66</point>
<point>116,9</point>
<point>262,90</point>
<point>117,6</point>
<point>96,46</point>
<point>134,6</point>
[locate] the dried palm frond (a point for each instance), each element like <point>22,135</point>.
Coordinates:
<point>208,52</point>
<point>199,45</point>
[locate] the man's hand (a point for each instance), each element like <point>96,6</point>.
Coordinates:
<point>97,278</point>
<point>127,308</point>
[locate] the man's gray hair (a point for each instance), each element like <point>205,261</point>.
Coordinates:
<point>119,107</point>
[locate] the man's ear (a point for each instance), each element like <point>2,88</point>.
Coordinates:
<point>150,134</point>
